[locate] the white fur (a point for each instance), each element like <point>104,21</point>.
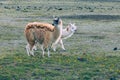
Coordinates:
<point>67,32</point>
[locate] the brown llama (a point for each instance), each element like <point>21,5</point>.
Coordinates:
<point>43,33</point>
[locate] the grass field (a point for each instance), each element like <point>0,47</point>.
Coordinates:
<point>92,53</point>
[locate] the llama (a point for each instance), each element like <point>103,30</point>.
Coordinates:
<point>66,33</point>
<point>43,33</point>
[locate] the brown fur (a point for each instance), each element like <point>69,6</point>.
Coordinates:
<point>40,25</point>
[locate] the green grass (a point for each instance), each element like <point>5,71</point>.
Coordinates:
<point>89,55</point>
<point>59,66</point>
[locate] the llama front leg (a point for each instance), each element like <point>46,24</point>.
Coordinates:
<point>61,43</point>
<point>28,49</point>
<point>32,52</point>
<point>48,52</point>
<point>42,50</point>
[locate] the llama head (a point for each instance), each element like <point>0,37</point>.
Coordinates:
<point>57,21</point>
<point>71,27</point>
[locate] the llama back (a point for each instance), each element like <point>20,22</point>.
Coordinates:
<point>40,25</point>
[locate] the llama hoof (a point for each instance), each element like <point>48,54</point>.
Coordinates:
<point>32,55</point>
<point>54,50</point>
<point>63,50</point>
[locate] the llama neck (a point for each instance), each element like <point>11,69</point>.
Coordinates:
<point>57,33</point>
<point>66,34</point>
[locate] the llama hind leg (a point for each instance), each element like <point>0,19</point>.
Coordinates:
<point>61,43</point>
<point>54,47</point>
<point>29,50</point>
<point>32,49</point>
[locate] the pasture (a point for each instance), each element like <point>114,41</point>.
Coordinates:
<point>92,53</point>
